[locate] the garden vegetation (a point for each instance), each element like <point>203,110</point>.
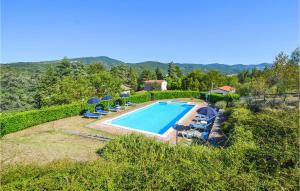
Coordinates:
<point>16,121</point>
<point>32,86</point>
<point>261,154</point>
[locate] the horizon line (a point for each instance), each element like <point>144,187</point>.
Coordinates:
<point>55,60</point>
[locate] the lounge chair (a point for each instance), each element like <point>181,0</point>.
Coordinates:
<point>130,103</point>
<point>200,126</point>
<point>201,118</point>
<point>195,134</point>
<point>98,109</point>
<point>115,109</point>
<point>102,112</point>
<point>88,114</point>
<point>201,115</point>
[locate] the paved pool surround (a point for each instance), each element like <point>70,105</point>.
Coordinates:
<point>169,136</point>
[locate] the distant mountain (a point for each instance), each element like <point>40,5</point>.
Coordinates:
<point>185,68</point>
<point>103,59</point>
<point>150,65</point>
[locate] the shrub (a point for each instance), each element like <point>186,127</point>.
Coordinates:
<point>220,104</point>
<point>235,116</point>
<point>135,162</point>
<point>16,121</point>
<point>156,95</point>
<point>268,141</point>
<point>213,97</point>
<point>139,98</point>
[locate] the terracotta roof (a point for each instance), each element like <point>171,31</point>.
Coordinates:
<point>226,88</point>
<point>154,81</point>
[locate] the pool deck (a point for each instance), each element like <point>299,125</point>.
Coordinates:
<point>169,138</point>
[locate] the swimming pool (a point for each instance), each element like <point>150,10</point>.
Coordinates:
<point>155,119</point>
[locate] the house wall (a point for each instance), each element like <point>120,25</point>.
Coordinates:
<point>147,86</point>
<point>164,86</point>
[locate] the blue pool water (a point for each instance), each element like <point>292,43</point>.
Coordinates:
<point>156,118</point>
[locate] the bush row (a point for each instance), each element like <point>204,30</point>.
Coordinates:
<point>16,121</point>
<point>213,97</point>
<point>156,95</point>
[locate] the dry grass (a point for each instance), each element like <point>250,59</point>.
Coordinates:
<point>47,142</point>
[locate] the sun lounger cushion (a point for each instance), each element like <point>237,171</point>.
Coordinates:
<point>88,114</point>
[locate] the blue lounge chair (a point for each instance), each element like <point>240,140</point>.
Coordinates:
<point>201,118</point>
<point>200,126</point>
<point>118,106</point>
<point>195,134</point>
<point>99,107</point>
<point>99,110</point>
<point>130,103</point>
<point>102,112</point>
<point>88,114</point>
<point>115,109</point>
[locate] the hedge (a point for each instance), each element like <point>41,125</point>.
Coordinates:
<point>213,97</point>
<point>173,94</point>
<point>16,121</point>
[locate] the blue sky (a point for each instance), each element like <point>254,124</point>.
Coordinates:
<point>186,31</point>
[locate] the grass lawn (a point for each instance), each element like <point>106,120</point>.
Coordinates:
<point>51,141</point>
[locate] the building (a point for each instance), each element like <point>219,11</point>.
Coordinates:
<point>223,90</point>
<point>155,85</point>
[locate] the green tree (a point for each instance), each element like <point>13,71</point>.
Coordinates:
<point>178,71</point>
<point>133,79</point>
<point>295,56</point>
<point>244,89</point>
<point>174,83</point>
<point>105,84</point>
<point>95,68</point>
<point>71,89</point>
<point>277,76</point>
<point>214,79</point>
<point>70,68</point>
<point>244,77</point>
<point>17,91</point>
<point>46,87</point>
<point>232,80</point>
<point>145,75</point>
<point>159,74</point>
<point>258,86</point>
<point>194,81</point>
<point>172,72</point>
<point>121,72</point>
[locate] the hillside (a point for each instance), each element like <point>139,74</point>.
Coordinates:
<point>150,65</point>
<point>185,68</point>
